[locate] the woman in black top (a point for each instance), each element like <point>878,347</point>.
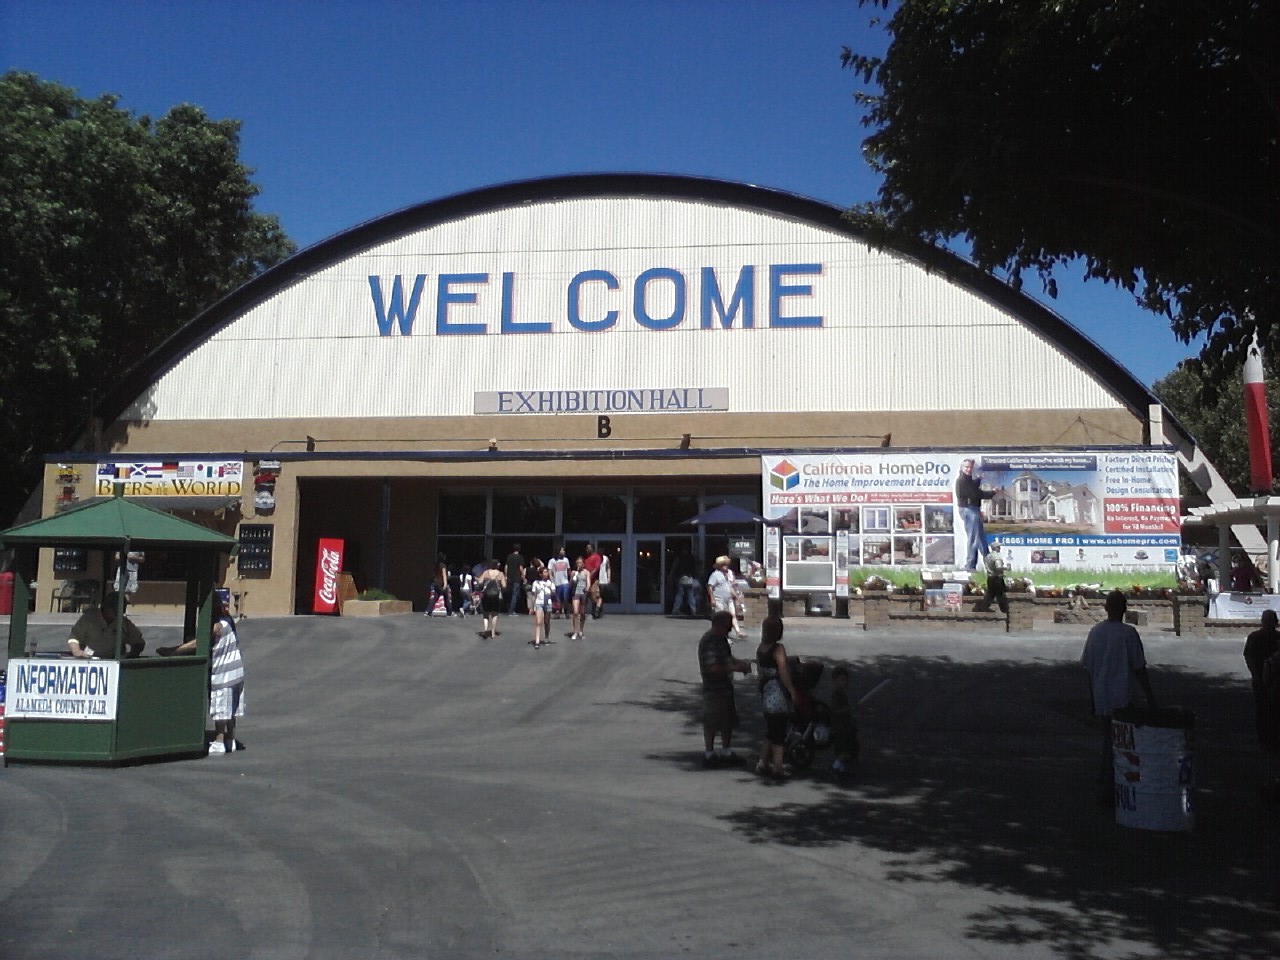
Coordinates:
<point>776,696</point>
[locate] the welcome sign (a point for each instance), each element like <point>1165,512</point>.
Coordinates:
<point>595,301</point>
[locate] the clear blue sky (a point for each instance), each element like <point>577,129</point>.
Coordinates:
<point>355,108</point>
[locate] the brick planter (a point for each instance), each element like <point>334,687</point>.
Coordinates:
<point>1022,612</point>
<point>755,601</point>
<point>875,609</point>
<point>1147,611</point>
<point>375,608</point>
<point>883,610</point>
<point>1189,619</point>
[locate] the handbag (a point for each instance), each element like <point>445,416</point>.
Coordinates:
<point>774,697</point>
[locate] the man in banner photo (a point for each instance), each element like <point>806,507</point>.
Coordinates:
<point>969,497</point>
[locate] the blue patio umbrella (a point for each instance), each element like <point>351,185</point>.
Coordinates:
<point>727,513</point>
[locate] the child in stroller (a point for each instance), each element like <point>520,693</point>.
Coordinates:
<point>816,725</point>
<point>810,728</point>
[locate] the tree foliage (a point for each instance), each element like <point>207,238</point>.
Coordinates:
<point>1138,136</point>
<point>1213,411</point>
<point>115,230</point>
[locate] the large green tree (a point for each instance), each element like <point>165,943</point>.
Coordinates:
<point>1139,137</point>
<point>115,230</point>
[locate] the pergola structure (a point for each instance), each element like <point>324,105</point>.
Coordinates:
<point>1251,512</point>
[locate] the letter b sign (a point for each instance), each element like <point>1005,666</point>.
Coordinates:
<point>603,430</point>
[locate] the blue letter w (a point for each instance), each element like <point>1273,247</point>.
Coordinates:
<point>395,313</point>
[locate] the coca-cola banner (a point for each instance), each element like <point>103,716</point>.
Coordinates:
<point>328,564</point>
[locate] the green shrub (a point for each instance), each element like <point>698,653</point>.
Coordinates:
<point>375,595</point>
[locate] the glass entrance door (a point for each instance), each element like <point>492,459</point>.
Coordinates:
<point>657,564</point>
<point>640,569</point>
<point>648,582</point>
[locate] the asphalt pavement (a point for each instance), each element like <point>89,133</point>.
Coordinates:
<point>412,790</point>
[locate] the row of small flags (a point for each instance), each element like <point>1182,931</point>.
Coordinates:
<point>161,470</point>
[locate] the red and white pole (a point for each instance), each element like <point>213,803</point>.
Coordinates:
<point>1255,415</point>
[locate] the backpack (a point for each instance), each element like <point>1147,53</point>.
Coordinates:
<point>492,588</point>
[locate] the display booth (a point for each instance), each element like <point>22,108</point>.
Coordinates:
<point>110,710</point>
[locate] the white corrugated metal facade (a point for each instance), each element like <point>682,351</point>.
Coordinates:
<point>893,336</point>
<point>360,365</point>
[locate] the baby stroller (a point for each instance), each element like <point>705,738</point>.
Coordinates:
<point>810,727</point>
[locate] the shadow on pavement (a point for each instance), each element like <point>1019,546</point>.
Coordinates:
<point>981,775</point>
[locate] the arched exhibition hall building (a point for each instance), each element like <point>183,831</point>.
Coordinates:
<point>600,358</point>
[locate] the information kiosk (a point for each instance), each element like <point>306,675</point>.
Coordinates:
<point>61,709</point>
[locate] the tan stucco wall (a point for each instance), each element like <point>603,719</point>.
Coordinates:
<point>416,483</point>
<point>1015,428</point>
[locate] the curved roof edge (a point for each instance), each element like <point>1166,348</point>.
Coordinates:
<point>1060,332</point>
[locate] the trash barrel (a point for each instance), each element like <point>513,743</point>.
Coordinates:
<point>1153,761</point>
<point>6,592</point>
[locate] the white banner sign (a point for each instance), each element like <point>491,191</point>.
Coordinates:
<point>1098,512</point>
<point>1242,606</point>
<point>171,478</point>
<point>72,689</point>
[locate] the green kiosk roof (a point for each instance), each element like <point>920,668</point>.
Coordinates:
<point>110,523</point>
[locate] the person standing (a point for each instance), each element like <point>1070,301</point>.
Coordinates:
<point>560,569</point>
<point>720,593</point>
<point>1115,661</point>
<point>685,584</point>
<point>996,589</point>
<point>466,602</point>
<point>603,584</point>
<point>226,678</point>
<point>439,587</point>
<point>1244,575</point>
<point>540,593</point>
<point>127,572</point>
<point>581,585</point>
<point>777,694</point>
<point>226,682</point>
<point>457,602</point>
<point>491,584</point>
<point>969,497</point>
<point>592,560</point>
<point>1261,645</point>
<point>515,578</point>
<point>532,574</point>
<point>716,664</point>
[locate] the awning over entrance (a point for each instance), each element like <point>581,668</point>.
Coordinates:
<point>113,523</point>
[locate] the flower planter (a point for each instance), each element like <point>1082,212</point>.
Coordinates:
<point>375,608</point>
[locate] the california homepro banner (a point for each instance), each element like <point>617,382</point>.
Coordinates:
<point>1088,516</point>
